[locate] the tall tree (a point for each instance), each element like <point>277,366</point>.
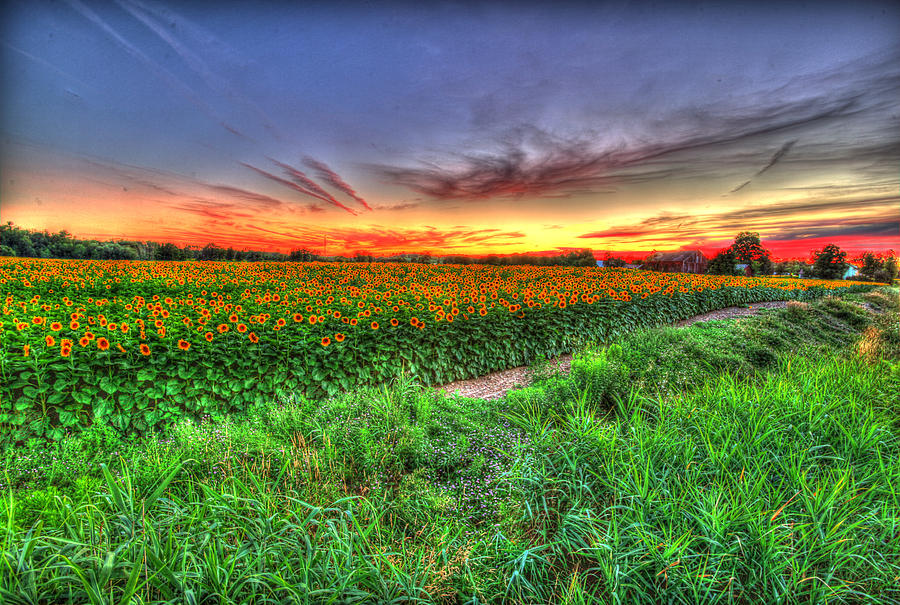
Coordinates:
<point>870,264</point>
<point>748,249</point>
<point>722,263</point>
<point>829,263</point>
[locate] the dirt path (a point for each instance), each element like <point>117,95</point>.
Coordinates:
<point>497,384</point>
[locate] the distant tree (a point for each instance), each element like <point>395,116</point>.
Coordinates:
<point>888,271</point>
<point>789,267</point>
<point>169,251</point>
<point>722,263</point>
<point>580,258</point>
<point>746,249</point>
<point>211,252</point>
<point>870,265</point>
<point>829,262</point>
<point>749,249</point>
<point>302,255</point>
<point>612,261</point>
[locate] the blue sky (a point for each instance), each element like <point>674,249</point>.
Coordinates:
<point>464,127</point>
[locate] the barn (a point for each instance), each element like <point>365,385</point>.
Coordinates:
<point>679,261</point>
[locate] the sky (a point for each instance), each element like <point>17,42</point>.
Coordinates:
<point>454,128</point>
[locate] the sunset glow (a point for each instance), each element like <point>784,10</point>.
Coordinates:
<point>454,129</point>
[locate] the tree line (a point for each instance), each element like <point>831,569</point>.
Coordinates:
<point>15,241</point>
<point>747,255</point>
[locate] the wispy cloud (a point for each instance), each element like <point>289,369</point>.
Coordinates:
<point>778,155</point>
<point>161,20</point>
<point>332,178</point>
<point>296,175</point>
<point>779,221</point>
<point>529,161</point>
<point>156,68</point>
<point>303,180</point>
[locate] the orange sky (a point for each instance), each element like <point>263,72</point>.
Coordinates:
<point>511,128</point>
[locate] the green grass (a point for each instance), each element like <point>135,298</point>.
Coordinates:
<point>674,466</point>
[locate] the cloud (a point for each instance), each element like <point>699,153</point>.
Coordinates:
<point>398,206</point>
<point>217,211</point>
<point>250,196</point>
<point>156,68</point>
<point>387,240</point>
<point>887,228</point>
<point>325,173</point>
<point>531,162</point>
<point>779,221</point>
<point>778,155</point>
<point>690,142</point>
<point>299,176</point>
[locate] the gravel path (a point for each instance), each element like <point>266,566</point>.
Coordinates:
<point>497,384</point>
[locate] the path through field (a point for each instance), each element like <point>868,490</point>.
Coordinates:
<point>497,384</point>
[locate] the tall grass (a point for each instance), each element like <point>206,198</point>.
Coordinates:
<point>781,485</point>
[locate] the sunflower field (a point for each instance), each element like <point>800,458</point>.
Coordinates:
<point>138,344</point>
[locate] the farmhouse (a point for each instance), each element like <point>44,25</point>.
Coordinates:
<point>679,261</point>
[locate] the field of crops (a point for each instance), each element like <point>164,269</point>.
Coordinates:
<point>136,344</point>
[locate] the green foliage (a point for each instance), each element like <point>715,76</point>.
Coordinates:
<point>829,262</point>
<point>732,491</point>
<point>746,249</point>
<point>723,263</point>
<point>46,394</point>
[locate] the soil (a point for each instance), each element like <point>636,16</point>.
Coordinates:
<point>496,384</point>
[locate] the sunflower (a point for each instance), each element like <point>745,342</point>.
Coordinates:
<point>241,328</point>
<point>50,340</point>
<point>26,351</point>
<point>65,351</point>
<point>73,325</point>
<point>56,326</point>
<point>184,345</point>
<point>374,325</point>
<point>339,337</point>
<point>102,344</point>
<point>253,337</point>
<point>298,318</point>
<point>145,350</point>
<point>222,328</point>
<point>83,341</point>
<point>208,336</point>
<point>326,341</point>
